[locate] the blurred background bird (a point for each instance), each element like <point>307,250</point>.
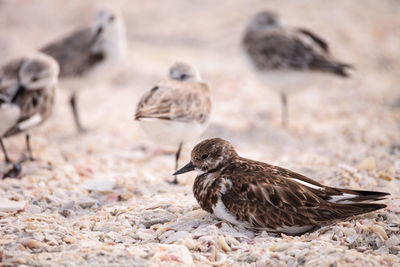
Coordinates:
<point>176,110</point>
<point>287,57</point>
<point>90,55</point>
<point>27,92</point>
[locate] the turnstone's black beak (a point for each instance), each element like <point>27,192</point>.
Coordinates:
<point>187,168</point>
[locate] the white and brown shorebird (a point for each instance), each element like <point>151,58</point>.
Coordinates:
<point>287,58</point>
<point>176,110</point>
<point>90,55</point>
<point>261,196</point>
<point>27,91</point>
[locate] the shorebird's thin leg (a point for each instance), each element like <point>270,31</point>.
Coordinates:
<point>28,147</point>
<point>7,159</point>
<point>74,106</point>
<point>177,155</point>
<point>285,110</point>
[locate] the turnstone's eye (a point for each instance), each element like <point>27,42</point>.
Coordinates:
<point>183,76</point>
<point>111,19</point>
<point>34,79</point>
<point>204,156</point>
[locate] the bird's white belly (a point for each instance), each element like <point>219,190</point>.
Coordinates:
<point>287,81</point>
<point>9,115</point>
<point>172,133</point>
<point>220,211</point>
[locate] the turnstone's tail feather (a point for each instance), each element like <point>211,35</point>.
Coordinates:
<point>343,211</point>
<point>354,196</point>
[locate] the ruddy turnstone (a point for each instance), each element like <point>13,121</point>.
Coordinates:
<point>261,196</point>
<point>286,57</point>
<point>27,89</point>
<point>176,110</point>
<point>90,55</point>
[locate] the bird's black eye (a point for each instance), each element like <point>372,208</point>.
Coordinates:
<point>99,30</point>
<point>34,79</point>
<point>111,18</point>
<point>183,76</point>
<point>204,156</point>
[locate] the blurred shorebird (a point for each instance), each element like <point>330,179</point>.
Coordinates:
<point>27,91</point>
<point>287,57</point>
<point>261,196</point>
<point>176,110</point>
<point>90,55</point>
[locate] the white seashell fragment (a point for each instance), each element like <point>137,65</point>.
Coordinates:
<point>180,252</point>
<point>280,247</point>
<point>220,258</point>
<point>10,206</point>
<point>176,236</point>
<point>99,184</point>
<point>392,241</point>
<point>33,209</point>
<point>367,164</point>
<point>31,243</point>
<point>225,247</point>
<point>379,231</point>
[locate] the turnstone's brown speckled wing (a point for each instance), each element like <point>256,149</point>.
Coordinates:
<point>75,53</point>
<point>176,100</point>
<point>299,49</point>
<point>266,196</point>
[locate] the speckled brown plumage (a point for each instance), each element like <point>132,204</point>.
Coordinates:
<point>263,196</point>
<point>273,47</point>
<point>32,103</point>
<point>176,100</point>
<point>29,85</point>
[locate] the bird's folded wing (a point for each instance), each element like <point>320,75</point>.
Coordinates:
<point>317,40</point>
<point>34,107</point>
<point>291,49</point>
<point>277,200</point>
<point>174,100</point>
<point>74,53</point>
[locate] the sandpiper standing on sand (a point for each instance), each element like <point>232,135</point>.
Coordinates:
<point>90,55</point>
<point>176,110</point>
<point>287,57</point>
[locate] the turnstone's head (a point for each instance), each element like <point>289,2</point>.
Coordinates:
<point>38,71</point>
<point>262,20</point>
<point>184,72</point>
<point>209,155</point>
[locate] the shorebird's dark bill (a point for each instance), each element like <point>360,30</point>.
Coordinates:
<point>187,168</point>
